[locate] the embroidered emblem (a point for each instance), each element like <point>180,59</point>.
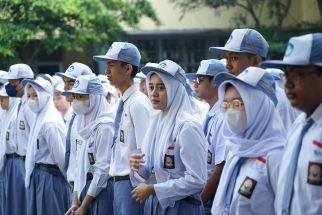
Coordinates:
<point>247,187</point>
<point>22,125</point>
<point>122,136</point>
<point>91,158</point>
<point>169,162</point>
<point>314,173</point>
<point>209,158</point>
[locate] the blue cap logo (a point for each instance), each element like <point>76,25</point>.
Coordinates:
<point>289,49</point>
<point>162,65</point>
<point>71,68</point>
<point>76,84</point>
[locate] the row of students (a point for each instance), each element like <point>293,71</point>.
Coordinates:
<point>170,145</point>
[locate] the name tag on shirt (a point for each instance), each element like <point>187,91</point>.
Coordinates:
<point>209,159</point>
<point>38,144</point>
<point>7,135</point>
<point>122,136</point>
<point>22,125</point>
<point>314,175</point>
<point>91,158</point>
<point>247,187</point>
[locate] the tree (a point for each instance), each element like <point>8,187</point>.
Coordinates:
<point>278,9</point>
<point>28,27</point>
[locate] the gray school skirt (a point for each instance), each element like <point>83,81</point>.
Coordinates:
<point>48,192</point>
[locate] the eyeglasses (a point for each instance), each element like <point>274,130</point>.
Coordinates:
<point>296,75</point>
<point>235,104</point>
<point>80,97</point>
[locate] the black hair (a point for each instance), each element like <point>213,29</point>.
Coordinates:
<point>135,69</point>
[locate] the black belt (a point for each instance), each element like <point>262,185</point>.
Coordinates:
<point>192,200</point>
<point>48,166</point>
<point>15,155</point>
<point>89,176</point>
<point>121,178</point>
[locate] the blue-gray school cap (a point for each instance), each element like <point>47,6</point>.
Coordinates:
<point>19,71</point>
<point>167,67</point>
<point>301,51</point>
<point>86,84</point>
<point>121,51</point>
<point>244,40</point>
<point>211,67</point>
<point>254,77</point>
<point>75,70</point>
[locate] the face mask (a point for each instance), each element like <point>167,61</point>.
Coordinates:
<point>80,107</point>
<point>236,120</point>
<point>33,105</point>
<point>11,90</point>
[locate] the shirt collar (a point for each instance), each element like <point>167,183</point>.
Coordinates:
<point>128,92</point>
<point>214,109</point>
<point>317,115</point>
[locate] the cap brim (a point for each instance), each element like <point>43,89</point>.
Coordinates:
<point>103,58</point>
<point>69,92</point>
<point>222,50</point>
<point>145,70</point>
<point>61,74</point>
<point>32,82</point>
<point>279,64</point>
<point>140,75</point>
<point>191,76</point>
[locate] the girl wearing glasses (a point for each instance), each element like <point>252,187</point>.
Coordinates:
<point>255,137</point>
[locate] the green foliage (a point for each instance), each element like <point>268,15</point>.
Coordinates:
<point>30,26</point>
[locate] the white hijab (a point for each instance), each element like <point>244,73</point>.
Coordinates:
<point>7,118</point>
<point>264,133</point>
<point>165,125</point>
<point>100,113</point>
<point>47,113</point>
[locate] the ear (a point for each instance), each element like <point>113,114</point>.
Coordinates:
<point>257,60</point>
<point>129,69</point>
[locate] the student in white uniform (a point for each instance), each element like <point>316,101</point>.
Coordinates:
<point>177,148</point>
<point>247,47</point>
<point>60,101</point>
<point>299,189</point>
<point>212,127</point>
<point>15,197</point>
<point>131,121</point>
<point>93,192</point>
<point>69,76</point>
<point>2,82</point>
<point>9,106</point>
<point>255,138</point>
<point>47,188</point>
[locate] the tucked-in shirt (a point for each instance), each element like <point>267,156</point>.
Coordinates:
<point>50,146</point>
<point>133,125</point>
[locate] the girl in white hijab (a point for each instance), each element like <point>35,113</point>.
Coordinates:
<point>47,188</point>
<point>255,138</point>
<point>93,188</point>
<point>176,147</point>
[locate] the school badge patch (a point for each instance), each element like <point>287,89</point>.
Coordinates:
<point>247,187</point>
<point>314,173</point>
<point>169,162</point>
<point>91,158</point>
<point>22,125</point>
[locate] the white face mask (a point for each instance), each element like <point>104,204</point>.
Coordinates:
<point>236,120</point>
<point>81,107</point>
<point>34,105</point>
